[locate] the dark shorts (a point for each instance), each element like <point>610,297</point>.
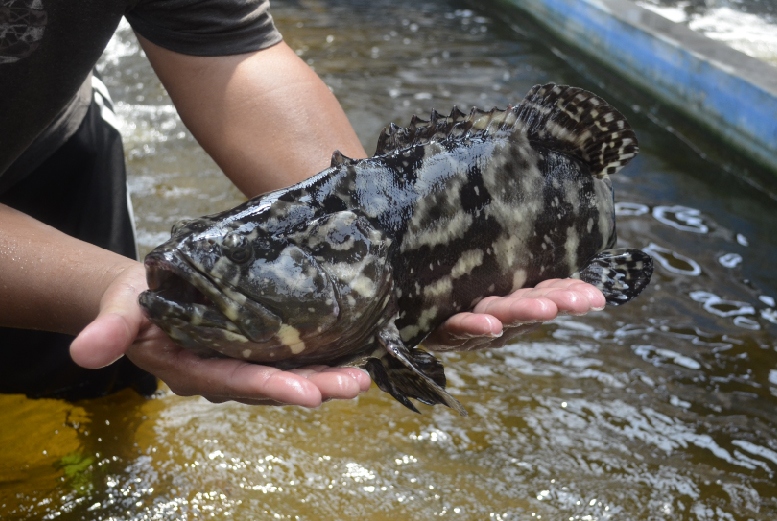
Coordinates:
<point>81,190</point>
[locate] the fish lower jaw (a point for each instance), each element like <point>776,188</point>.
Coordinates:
<point>161,309</point>
<point>207,342</point>
<point>172,298</point>
<point>207,332</point>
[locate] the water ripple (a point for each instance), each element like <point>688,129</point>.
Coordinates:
<point>730,260</point>
<point>673,262</point>
<point>681,217</point>
<point>625,208</point>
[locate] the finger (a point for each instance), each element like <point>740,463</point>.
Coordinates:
<point>569,296</point>
<point>588,291</point>
<point>103,341</point>
<point>331,390</point>
<point>245,401</point>
<point>337,382</point>
<point>361,376</point>
<point>568,301</point>
<point>187,374</point>
<point>550,283</point>
<point>560,283</point>
<point>576,299</point>
<point>462,328</point>
<point>513,310</point>
<point>468,325</point>
<point>107,338</point>
<point>308,370</point>
<point>592,293</point>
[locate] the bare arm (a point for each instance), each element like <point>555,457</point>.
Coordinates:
<point>50,280</point>
<point>266,117</point>
<point>54,282</point>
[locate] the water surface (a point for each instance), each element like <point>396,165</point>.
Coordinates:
<point>749,26</point>
<point>662,409</point>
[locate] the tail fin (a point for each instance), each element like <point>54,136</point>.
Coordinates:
<point>567,119</point>
<point>621,275</point>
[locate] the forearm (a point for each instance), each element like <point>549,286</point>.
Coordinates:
<point>265,117</point>
<point>49,280</point>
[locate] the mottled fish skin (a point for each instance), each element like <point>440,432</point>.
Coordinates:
<point>358,264</point>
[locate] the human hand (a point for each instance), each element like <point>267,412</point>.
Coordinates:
<point>122,328</point>
<point>496,320</point>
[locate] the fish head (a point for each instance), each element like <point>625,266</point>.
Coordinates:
<point>237,285</point>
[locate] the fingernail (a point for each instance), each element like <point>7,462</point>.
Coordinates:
<point>495,325</point>
<point>368,376</point>
<point>597,309</point>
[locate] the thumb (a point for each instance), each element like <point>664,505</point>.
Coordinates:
<point>107,338</point>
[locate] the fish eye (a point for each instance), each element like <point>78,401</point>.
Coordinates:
<point>236,248</point>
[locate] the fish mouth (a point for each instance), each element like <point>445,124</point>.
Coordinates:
<point>163,280</point>
<point>170,286</point>
<point>179,296</point>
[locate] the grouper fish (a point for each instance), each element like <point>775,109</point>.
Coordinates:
<point>358,264</point>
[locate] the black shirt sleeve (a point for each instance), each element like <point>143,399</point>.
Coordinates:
<point>205,27</point>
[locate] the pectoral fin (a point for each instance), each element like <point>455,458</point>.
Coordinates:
<point>407,373</point>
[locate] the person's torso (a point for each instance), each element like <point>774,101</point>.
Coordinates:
<point>49,47</point>
<point>47,50</point>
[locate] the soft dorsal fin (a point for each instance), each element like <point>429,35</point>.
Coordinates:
<point>574,121</point>
<point>569,120</point>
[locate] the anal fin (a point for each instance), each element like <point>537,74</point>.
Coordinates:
<point>407,373</point>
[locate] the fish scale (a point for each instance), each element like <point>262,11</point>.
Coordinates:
<point>358,264</point>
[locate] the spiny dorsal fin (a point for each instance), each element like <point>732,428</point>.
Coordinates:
<point>420,131</point>
<point>567,119</point>
<point>339,159</point>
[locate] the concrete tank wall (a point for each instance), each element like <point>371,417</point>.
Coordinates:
<point>731,94</point>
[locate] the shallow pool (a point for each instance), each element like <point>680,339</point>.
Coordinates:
<point>662,409</point>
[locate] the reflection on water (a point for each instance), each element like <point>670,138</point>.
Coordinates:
<point>662,409</point>
<point>673,262</point>
<point>749,26</point>
<point>681,217</point>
